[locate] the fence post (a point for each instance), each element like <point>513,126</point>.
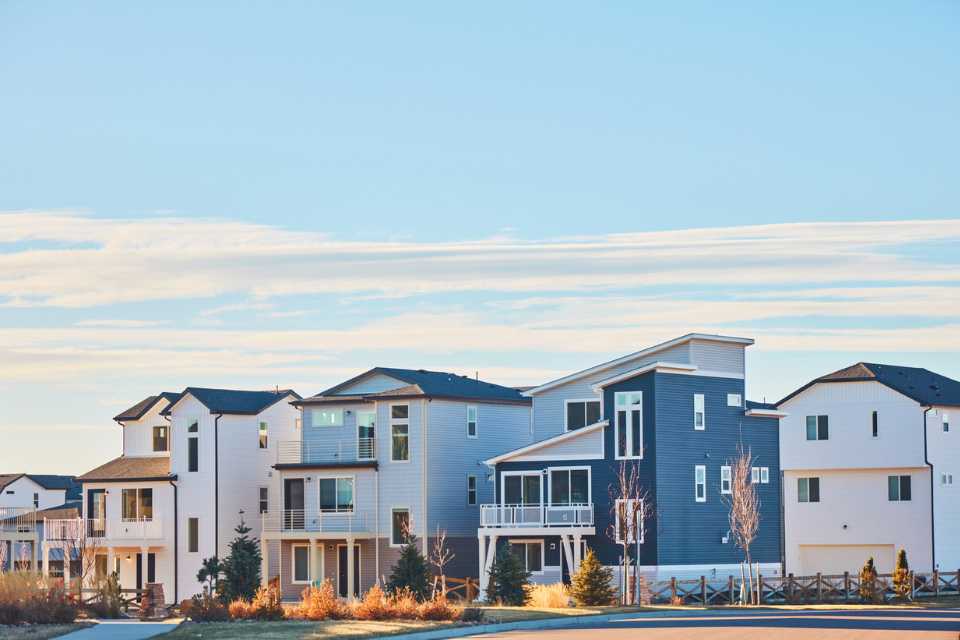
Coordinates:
<point>730,588</point>
<point>936,583</point>
<point>913,586</point>
<point>673,590</point>
<point>703,590</point>
<point>846,586</point>
<point>819,587</point>
<point>759,588</point>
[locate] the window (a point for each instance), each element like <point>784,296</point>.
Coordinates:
<point>136,504</point>
<point>471,422</point>
<point>36,501</point>
<point>366,432</point>
<point>326,417</point>
<point>399,527</point>
<point>530,553</point>
<point>569,486</point>
<point>754,475</point>
<point>160,440</point>
<point>627,511</point>
<point>264,442</point>
<point>946,479</point>
<point>471,490</point>
<point>700,482</point>
<point>808,489</point>
<point>734,400</point>
<point>521,487</point>
<point>946,423</point>
<point>629,424</point>
<point>193,535</point>
<point>336,494</point>
<point>194,427</point>
<point>264,500</point>
<point>764,475</point>
<point>301,564</point>
<point>898,488</point>
<point>817,428</point>
<point>193,454</point>
<point>581,413</point>
<point>874,426</point>
<point>699,417</point>
<point>400,433</point>
<point>726,477</point>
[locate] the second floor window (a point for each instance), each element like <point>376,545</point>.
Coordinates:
<point>874,425</point>
<point>569,486</point>
<point>582,413</point>
<point>700,483</point>
<point>160,440</point>
<point>699,414</point>
<point>898,488</point>
<point>264,499</point>
<point>808,489</point>
<point>471,422</point>
<point>471,490</point>
<point>818,428</point>
<point>336,494</point>
<point>193,448</point>
<point>399,527</point>
<point>726,475</point>
<point>326,417</point>
<point>264,440</point>
<point>137,504</point>
<point>400,432</point>
<point>36,501</point>
<point>946,423</point>
<point>628,429</point>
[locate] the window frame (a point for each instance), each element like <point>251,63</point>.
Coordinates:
<point>263,435</point>
<point>526,557</point>
<point>808,480</point>
<point>616,524</point>
<point>166,438</point>
<point>825,425</point>
<point>336,493</point>
<point>36,500</point>
<point>874,424</point>
<point>193,535</point>
<point>530,472</point>
<point>726,475</point>
<point>475,422</point>
<point>293,563</point>
<point>700,400</point>
<point>699,480</point>
<point>764,475</point>
<point>399,422</point>
<point>137,502</point>
<point>263,500</point>
<point>400,509</point>
<point>315,411</point>
<point>737,400</point>
<point>360,425</point>
<point>472,500</point>
<point>584,401</point>
<point>901,481</point>
<point>549,489</point>
<point>634,406</point>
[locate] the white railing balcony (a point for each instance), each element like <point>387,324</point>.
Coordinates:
<point>340,451</point>
<point>296,520</point>
<point>536,515</point>
<point>18,520</point>
<point>77,529</point>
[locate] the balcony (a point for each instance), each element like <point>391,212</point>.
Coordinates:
<point>110,530</point>
<point>536,516</point>
<point>17,520</point>
<point>339,452</point>
<point>312,521</point>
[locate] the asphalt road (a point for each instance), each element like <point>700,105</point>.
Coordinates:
<point>768,625</point>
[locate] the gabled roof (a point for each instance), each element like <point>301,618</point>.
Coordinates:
<point>9,478</point>
<point>666,367</point>
<point>918,384</point>
<point>423,383</point>
<point>562,437</point>
<point>637,354</point>
<point>140,409</point>
<point>130,468</point>
<point>68,484</point>
<point>233,401</point>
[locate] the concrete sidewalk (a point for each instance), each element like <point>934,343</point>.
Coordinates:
<point>123,630</point>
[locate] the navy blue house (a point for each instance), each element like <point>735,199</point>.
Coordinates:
<point>677,412</point>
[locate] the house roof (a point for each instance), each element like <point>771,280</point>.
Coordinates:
<point>130,468</point>
<point>921,385</point>
<point>233,401</point>
<point>750,404</point>
<point>52,482</point>
<point>562,437</point>
<point>637,354</point>
<point>434,384</point>
<point>140,409</point>
<point>667,367</point>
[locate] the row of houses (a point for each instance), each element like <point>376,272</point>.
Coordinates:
<point>857,463</point>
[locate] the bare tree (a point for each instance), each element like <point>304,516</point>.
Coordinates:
<point>440,557</point>
<point>744,507</point>
<point>83,543</point>
<point>630,506</point>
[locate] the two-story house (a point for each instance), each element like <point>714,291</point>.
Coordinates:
<point>869,460</point>
<point>25,500</point>
<point>193,464</point>
<point>676,413</point>
<point>386,453</point>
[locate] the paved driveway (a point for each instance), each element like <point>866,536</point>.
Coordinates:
<point>121,630</point>
<point>768,625</point>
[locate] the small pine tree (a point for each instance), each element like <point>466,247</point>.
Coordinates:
<point>210,570</point>
<point>508,580</point>
<point>592,584</point>
<point>901,575</point>
<point>241,569</point>
<point>868,581</point>
<point>410,571</point>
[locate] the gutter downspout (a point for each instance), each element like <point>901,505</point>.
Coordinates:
<point>424,419</point>
<point>176,542</point>
<point>926,460</point>
<point>216,485</point>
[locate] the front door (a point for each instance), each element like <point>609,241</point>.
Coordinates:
<point>293,503</point>
<point>151,569</point>
<point>342,570</point>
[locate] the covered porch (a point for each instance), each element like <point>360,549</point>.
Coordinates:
<point>297,560</point>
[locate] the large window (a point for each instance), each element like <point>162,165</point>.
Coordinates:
<point>726,476</point>
<point>581,413</point>
<point>521,488</point>
<point>700,483</point>
<point>472,421</point>
<point>699,412</point>
<point>818,428</point>
<point>336,494</point>
<point>530,553</point>
<point>160,440</point>
<point>399,526</point>
<point>629,517</point>
<point>399,432</point>
<point>569,486</point>
<point>193,535</point>
<point>898,488</point>
<point>808,489</point>
<point>301,564</point>
<point>471,490</point>
<point>264,438</point>
<point>629,424</point>
<point>326,417</point>
<point>137,504</point>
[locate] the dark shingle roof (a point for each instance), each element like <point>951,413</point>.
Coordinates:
<point>435,384</point>
<point>234,401</point>
<point>53,482</point>
<point>140,409</point>
<point>750,404</point>
<point>921,385</point>
<point>130,468</point>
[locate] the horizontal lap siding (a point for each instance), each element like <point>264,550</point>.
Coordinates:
<point>718,356</point>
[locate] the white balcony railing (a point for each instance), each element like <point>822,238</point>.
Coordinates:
<point>294,520</point>
<point>110,529</point>
<point>536,515</point>
<point>351,450</point>
<point>17,520</point>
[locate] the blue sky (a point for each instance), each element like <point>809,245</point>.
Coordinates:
<point>289,193</point>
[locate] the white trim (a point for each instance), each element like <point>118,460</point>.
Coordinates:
<point>628,425</point>
<point>357,426</point>
<point>700,406</point>
<point>597,399</point>
<point>764,475</point>
<point>476,490</point>
<point>563,456</point>
<point>476,421</point>
<point>696,483</point>
<point>663,367</point>
<point>333,410</point>
<point>330,476</point>
<point>765,413</point>
<point>632,356</point>
<point>293,563</point>
<point>543,553</point>
<point>576,433</point>
<point>529,472</point>
<point>394,508</point>
<point>735,400</point>
<point>357,553</point>
<point>391,421</point>
<point>550,471</point>
<point>726,470</point>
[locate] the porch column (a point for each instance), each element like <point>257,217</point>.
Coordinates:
<point>66,567</point>
<point>482,569</point>
<point>111,561</point>
<point>315,577</point>
<point>491,552</point>
<point>264,563</point>
<point>577,551</point>
<point>143,566</point>
<point>350,577</point>
<point>34,550</point>
<point>566,553</point>
<point>46,559</point>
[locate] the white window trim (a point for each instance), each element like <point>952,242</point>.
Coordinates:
<point>764,475</point>
<point>476,490</point>
<point>696,469</point>
<point>261,431</point>
<point>357,552</point>
<point>701,400</point>
<point>737,400</point>
<point>566,422</point>
<point>139,501</point>
<point>394,509</point>
<point>357,415</point>
<point>399,421</point>
<point>260,500</point>
<point>550,470</point>
<point>543,553</point>
<point>726,473</point>
<point>293,564</point>
<point>353,480</point>
<point>313,423</point>
<point>754,475</point>
<point>616,427</point>
<point>643,524</point>
<point>476,421</point>
<point>503,484</point>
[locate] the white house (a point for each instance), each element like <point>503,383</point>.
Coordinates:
<point>869,460</point>
<point>25,499</point>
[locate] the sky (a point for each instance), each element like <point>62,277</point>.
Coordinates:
<point>251,195</point>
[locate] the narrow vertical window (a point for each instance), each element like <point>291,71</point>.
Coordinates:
<point>629,424</point>
<point>699,417</point>
<point>193,448</point>
<point>264,499</point>
<point>755,475</point>
<point>764,475</point>
<point>700,482</point>
<point>366,435</point>
<point>193,535</point>
<point>399,527</point>
<point>36,501</point>
<point>160,439</point>
<point>301,564</point>
<point>264,442</point>
<point>726,475</point>
<point>946,423</point>
<point>471,490</point>
<point>400,433</point>
<point>875,427</point>
<point>471,422</point>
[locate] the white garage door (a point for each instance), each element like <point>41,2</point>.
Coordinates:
<point>834,559</point>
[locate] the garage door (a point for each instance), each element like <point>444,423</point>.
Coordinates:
<point>837,558</point>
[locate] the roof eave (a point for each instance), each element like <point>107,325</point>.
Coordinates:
<point>566,435</point>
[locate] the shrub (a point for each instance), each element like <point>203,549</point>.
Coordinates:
<point>240,609</point>
<point>438,609</point>
<point>374,606</point>
<point>28,597</point>
<point>411,570</point>
<point>868,581</point>
<point>207,608</point>
<point>108,603</point>
<point>508,580</point>
<point>592,584</point>
<point>320,603</point>
<point>266,604</point>
<point>404,604</point>
<point>901,576</point>
<point>548,596</point>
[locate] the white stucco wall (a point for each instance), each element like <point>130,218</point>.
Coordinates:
<point>138,434</point>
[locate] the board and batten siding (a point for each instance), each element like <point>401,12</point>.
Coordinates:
<point>944,448</point>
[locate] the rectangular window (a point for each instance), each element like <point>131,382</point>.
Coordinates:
<point>193,454</point>
<point>399,527</point>
<point>301,564</point>
<point>946,423</point>
<point>264,442</point>
<point>699,416</point>
<point>336,494</point>
<point>160,439</point>
<point>366,434</point>
<point>530,553</point>
<point>136,504</point>
<point>581,413</point>
<point>471,422</point>
<point>817,428</point>
<point>874,425</point>
<point>193,535</point>
<point>471,490</point>
<point>629,424</point>
<point>264,499</point>
<point>755,475</point>
<point>36,500</point>
<point>569,486</point>
<point>700,482</point>
<point>808,489</point>
<point>629,517</point>
<point>726,477</point>
<point>898,488</point>
<point>734,400</point>
<point>400,433</point>
<point>326,417</point>
<point>946,479</point>
<point>764,475</point>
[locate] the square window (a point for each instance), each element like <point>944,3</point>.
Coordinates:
<point>808,489</point>
<point>898,488</point>
<point>817,427</point>
<point>581,413</point>
<point>734,400</point>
